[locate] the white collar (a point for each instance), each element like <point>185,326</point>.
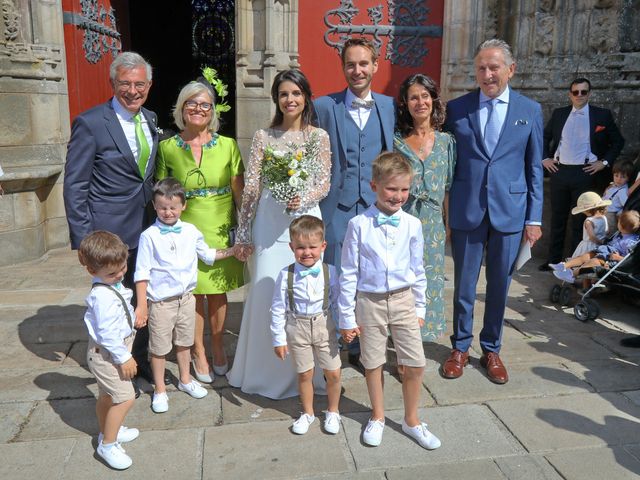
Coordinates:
<point>584,109</point>
<point>503,97</point>
<point>350,97</point>
<point>122,112</point>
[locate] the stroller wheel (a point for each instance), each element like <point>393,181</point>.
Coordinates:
<point>565,295</point>
<point>593,310</point>
<point>554,294</point>
<point>581,311</point>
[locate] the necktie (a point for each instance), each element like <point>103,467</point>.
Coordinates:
<point>492,128</point>
<point>310,271</point>
<point>393,220</point>
<point>169,229</point>
<point>359,103</point>
<point>143,145</point>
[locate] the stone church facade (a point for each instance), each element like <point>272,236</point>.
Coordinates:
<point>553,40</point>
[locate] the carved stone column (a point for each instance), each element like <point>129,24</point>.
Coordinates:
<point>34,127</point>
<point>267,33</point>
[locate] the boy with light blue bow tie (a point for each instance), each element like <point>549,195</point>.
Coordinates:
<point>382,288</point>
<point>166,274</point>
<point>301,323</point>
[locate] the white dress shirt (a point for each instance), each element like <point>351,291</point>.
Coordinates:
<point>125,117</point>
<point>501,109</point>
<point>308,297</point>
<point>360,115</point>
<point>170,262</point>
<point>575,142</point>
<point>381,258</point>
<point>107,321</point>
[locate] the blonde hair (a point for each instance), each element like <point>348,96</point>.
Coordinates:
<point>390,164</point>
<point>190,90</point>
<point>629,220</point>
<point>102,249</point>
<point>306,226</point>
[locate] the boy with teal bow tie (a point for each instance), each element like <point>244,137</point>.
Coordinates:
<point>166,274</point>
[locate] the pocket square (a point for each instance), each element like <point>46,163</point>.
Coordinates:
<point>522,122</point>
<point>600,128</point>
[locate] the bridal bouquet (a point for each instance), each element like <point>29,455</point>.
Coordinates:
<point>289,173</point>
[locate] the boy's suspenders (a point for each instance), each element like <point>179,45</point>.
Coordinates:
<point>122,300</point>
<point>325,301</point>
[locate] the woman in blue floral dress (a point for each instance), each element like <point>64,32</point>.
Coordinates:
<point>432,154</point>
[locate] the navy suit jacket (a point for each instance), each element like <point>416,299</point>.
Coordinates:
<point>606,140</point>
<point>508,184</point>
<point>331,112</point>
<point>103,189</point>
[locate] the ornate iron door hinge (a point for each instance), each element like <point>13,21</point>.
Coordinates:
<point>101,35</point>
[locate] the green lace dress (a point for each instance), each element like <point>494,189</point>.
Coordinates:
<point>432,179</point>
<point>210,204</point>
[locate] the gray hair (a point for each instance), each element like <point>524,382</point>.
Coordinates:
<point>497,43</point>
<point>190,90</point>
<point>128,61</point>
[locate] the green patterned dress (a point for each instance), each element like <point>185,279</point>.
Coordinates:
<point>433,176</point>
<point>210,204</point>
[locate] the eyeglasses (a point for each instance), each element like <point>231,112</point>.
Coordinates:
<point>576,93</point>
<point>125,86</point>
<point>204,106</point>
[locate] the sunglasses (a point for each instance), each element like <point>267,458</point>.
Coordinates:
<point>575,93</point>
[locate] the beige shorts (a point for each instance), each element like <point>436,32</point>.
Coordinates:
<point>171,322</point>
<point>378,313</point>
<point>106,372</point>
<point>307,336</point>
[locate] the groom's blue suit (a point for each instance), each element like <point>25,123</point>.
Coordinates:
<point>490,201</point>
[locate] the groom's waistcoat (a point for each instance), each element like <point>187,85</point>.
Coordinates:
<point>362,147</point>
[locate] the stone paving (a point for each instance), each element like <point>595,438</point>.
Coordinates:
<point>570,411</point>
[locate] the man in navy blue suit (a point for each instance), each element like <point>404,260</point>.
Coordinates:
<point>495,201</point>
<point>109,170</point>
<point>360,125</point>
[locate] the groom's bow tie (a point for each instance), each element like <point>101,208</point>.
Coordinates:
<point>359,103</point>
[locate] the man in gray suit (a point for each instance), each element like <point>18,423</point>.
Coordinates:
<point>360,125</point>
<point>109,169</point>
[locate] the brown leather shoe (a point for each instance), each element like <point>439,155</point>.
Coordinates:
<point>496,371</point>
<point>453,366</point>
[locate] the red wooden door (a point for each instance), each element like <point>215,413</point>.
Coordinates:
<point>409,34</point>
<point>91,43</point>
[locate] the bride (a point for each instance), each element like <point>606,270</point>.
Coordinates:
<point>264,227</point>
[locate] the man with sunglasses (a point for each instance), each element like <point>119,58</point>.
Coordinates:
<point>581,142</point>
<point>110,167</point>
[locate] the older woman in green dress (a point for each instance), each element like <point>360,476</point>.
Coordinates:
<point>432,154</point>
<point>212,173</point>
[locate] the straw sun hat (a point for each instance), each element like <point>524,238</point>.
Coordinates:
<point>589,201</point>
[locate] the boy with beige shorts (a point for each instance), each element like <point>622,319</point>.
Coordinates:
<point>166,273</point>
<point>301,323</point>
<point>109,321</point>
<point>382,288</point>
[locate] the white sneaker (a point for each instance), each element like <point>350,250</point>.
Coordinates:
<point>565,275</point>
<point>331,422</point>
<point>301,425</point>
<point>420,434</point>
<point>160,402</point>
<point>372,435</point>
<point>193,388</point>
<point>220,370</point>
<point>124,435</point>
<point>114,455</point>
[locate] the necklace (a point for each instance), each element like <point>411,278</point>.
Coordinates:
<point>424,146</point>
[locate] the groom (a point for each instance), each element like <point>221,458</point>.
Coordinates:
<point>360,126</point>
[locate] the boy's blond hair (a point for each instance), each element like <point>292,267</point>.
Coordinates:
<point>102,249</point>
<point>306,226</point>
<point>630,220</point>
<point>390,164</point>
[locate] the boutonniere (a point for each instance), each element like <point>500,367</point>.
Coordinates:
<point>158,130</point>
<point>522,122</point>
<point>600,128</point>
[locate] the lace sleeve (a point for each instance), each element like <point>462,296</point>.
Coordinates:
<point>252,188</point>
<point>319,187</point>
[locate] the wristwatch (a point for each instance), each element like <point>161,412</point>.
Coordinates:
<point>605,163</point>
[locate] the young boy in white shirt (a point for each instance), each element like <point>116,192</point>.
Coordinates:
<point>382,287</point>
<point>110,323</point>
<point>166,273</point>
<point>301,323</point>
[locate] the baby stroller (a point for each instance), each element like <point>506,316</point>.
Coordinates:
<point>623,276</point>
